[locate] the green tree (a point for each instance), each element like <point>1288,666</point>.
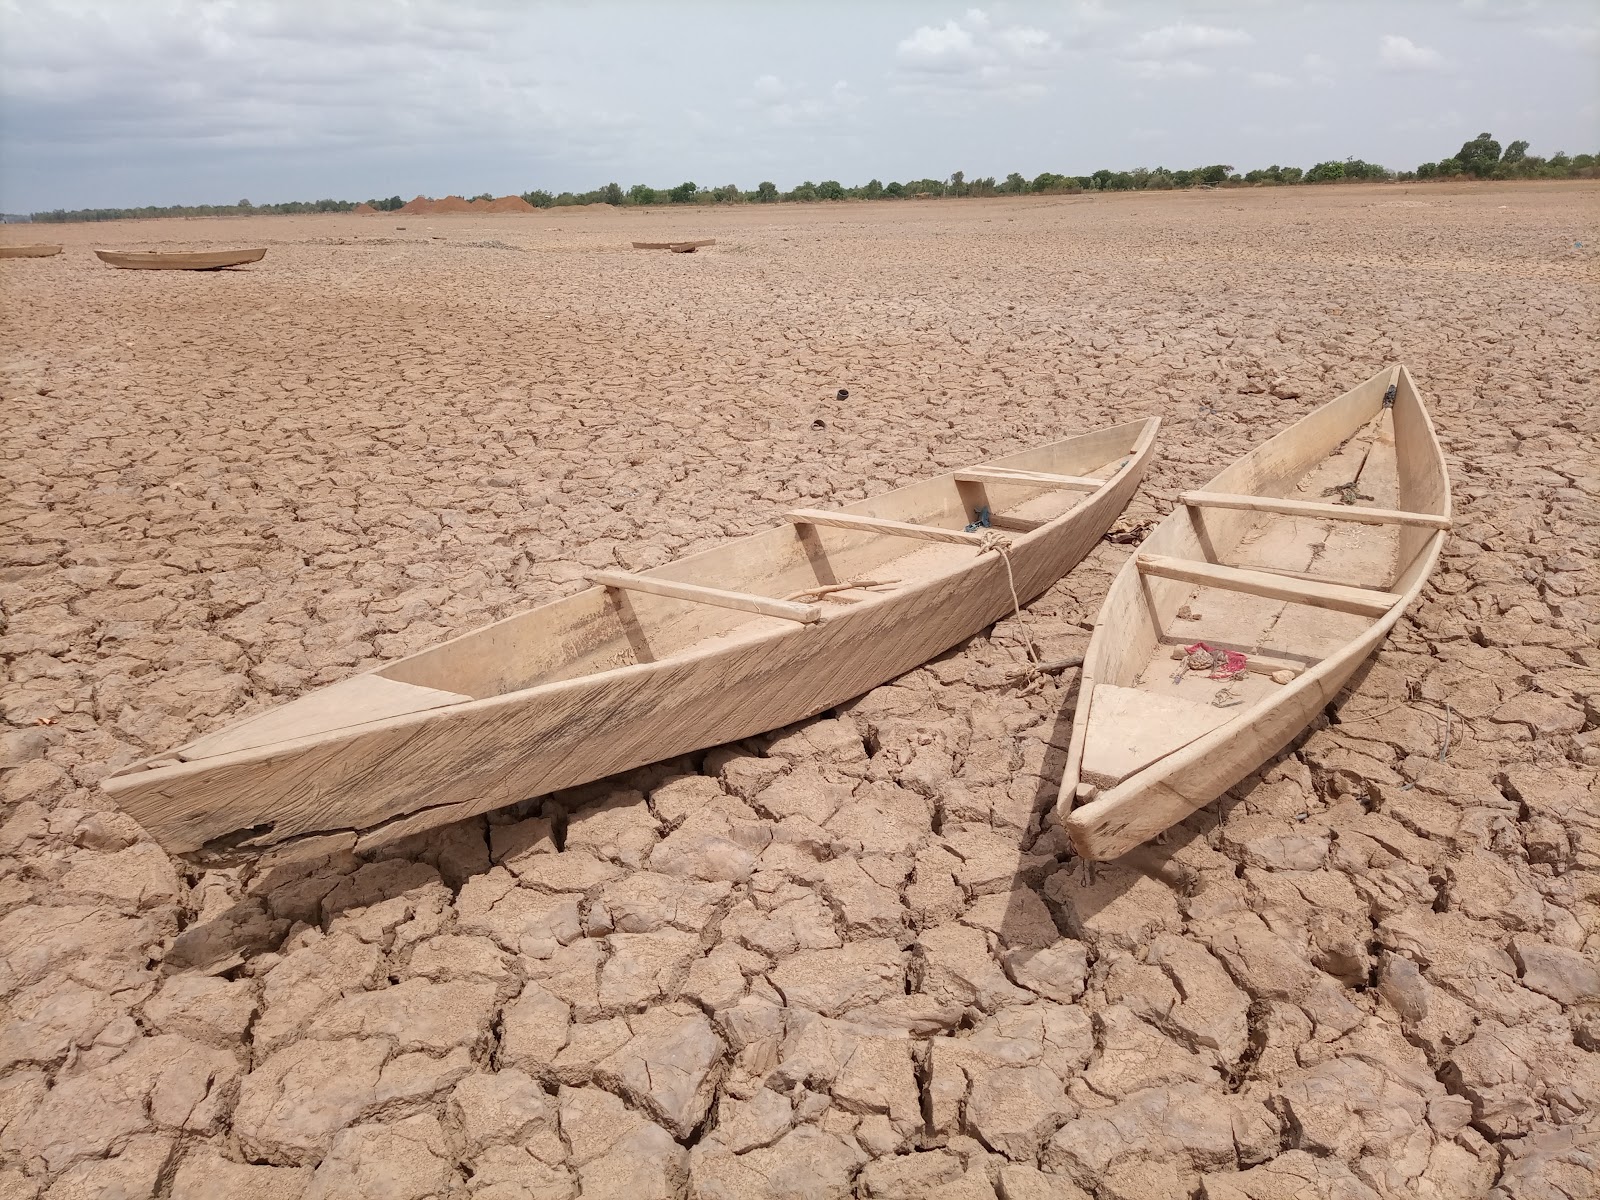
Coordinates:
<point>1217,173</point>
<point>728,193</point>
<point>958,183</point>
<point>539,198</point>
<point>1047,181</point>
<point>483,196</point>
<point>871,190</point>
<point>807,191</point>
<point>1515,153</point>
<point>896,190</point>
<point>642,193</point>
<point>612,193</point>
<point>1479,156</point>
<point>830,189</point>
<point>1325,172</point>
<point>766,191</point>
<point>684,193</point>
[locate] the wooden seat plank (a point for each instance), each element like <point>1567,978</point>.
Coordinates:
<point>839,520</point>
<point>1080,483</point>
<point>805,614</point>
<point>1334,596</point>
<point>1308,508</point>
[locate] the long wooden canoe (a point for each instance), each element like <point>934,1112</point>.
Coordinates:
<point>199,260</point>
<point>39,251</point>
<point>675,247</point>
<point>721,645</point>
<point>1294,563</point>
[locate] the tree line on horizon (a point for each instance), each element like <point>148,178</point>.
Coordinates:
<point>1480,158</point>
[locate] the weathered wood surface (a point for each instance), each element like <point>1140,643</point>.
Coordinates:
<point>161,260</point>
<point>603,681</point>
<point>37,251</point>
<point>906,529</point>
<point>1395,457</point>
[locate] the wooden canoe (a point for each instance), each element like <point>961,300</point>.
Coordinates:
<point>1278,559</point>
<point>721,645</point>
<point>199,260</point>
<point>675,247</point>
<point>29,251</point>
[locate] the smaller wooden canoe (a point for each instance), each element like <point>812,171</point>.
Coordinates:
<point>29,251</point>
<point>1248,609</point>
<point>162,260</point>
<point>675,247</point>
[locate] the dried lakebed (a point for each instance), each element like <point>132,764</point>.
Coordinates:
<point>853,958</point>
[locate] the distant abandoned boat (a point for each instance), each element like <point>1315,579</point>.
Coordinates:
<point>734,641</point>
<point>1249,607</point>
<point>675,247</point>
<point>29,251</point>
<point>161,260</point>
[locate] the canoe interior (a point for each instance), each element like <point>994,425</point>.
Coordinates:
<point>601,629</point>
<point>1145,706</point>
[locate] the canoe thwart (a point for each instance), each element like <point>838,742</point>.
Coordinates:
<point>865,524</point>
<point>696,593</point>
<point>1308,508</point>
<point>1029,479</point>
<point>1335,596</point>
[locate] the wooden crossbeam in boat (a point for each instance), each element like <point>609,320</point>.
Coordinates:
<point>1309,508</point>
<point>1335,596</point>
<point>806,614</point>
<point>1076,483</point>
<point>839,520</point>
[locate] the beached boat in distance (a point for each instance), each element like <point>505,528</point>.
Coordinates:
<point>29,251</point>
<point>675,247</point>
<point>1247,610</point>
<point>163,260</point>
<point>731,642</point>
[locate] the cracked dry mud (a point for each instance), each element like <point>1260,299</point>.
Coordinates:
<point>853,958</point>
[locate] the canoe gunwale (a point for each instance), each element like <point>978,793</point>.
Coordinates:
<point>1194,775</point>
<point>598,700</point>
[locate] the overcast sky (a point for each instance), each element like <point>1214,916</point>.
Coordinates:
<point>131,102</point>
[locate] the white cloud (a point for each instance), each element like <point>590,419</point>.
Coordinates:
<point>787,105</point>
<point>1167,53</point>
<point>1403,54</point>
<point>1182,38</point>
<point>1570,37</point>
<point>1499,10</point>
<point>974,52</point>
<point>1155,68</point>
<point>947,47</point>
<point>1269,79</point>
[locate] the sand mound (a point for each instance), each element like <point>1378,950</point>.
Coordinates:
<point>509,204</point>
<point>420,204</point>
<point>364,209</point>
<point>451,204</point>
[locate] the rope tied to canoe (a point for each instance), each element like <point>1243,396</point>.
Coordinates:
<point>994,540</point>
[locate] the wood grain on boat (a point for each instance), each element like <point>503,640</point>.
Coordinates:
<point>39,251</point>
<point>162,260</point>
<point>617,676</point>
<point>1258,562</point>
